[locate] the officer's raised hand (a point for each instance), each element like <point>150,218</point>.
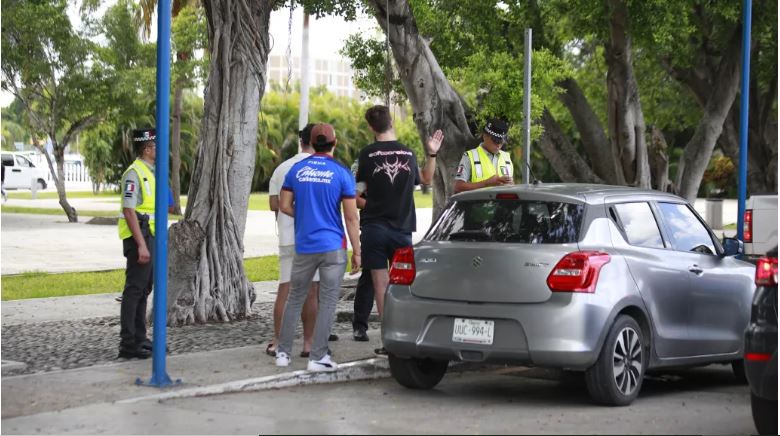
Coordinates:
<point>434,142</point>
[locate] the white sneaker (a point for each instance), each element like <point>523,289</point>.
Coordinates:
<point>282,359</point>
<point>326,364</point>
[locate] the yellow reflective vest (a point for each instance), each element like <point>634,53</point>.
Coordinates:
<point>482,164</point>
<point>147,182</point>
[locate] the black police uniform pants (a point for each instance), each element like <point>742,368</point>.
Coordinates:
<point>138,286</point>
<point>364,300</point>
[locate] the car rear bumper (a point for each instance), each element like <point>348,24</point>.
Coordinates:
<point>565,332</point>
<point>762,375</point>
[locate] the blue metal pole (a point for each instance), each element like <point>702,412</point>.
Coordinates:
<point>743,117</point>
<point>159,375</point>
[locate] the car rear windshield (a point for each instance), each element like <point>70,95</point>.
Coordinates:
<point>529,222</point>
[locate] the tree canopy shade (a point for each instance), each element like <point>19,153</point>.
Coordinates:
<point>51,70</point>
<point>618,86</point>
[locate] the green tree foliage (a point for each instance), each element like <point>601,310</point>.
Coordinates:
<point>676,48</point>
<point>278,132</point>
<point>188,34</point>
<point>369,62</point>
<point>14,129</point>
<point>130,65</point>
<point>50,68</point>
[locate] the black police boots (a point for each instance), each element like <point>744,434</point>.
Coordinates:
<point>134,353</point>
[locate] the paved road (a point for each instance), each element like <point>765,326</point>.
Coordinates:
<point>49,243</point>
<point>697,401</point>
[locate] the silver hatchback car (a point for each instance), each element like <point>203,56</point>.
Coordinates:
<point>608,280</point>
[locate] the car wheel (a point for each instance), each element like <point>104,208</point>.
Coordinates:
<point>764,414</point>
<point>41,185</point>
<point>616,377</point>
<point>738,368</point>
<point>417,373</point>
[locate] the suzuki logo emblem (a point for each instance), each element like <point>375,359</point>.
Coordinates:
<point>476,262</point>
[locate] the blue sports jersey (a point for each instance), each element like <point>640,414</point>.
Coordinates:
<point>318,184</point>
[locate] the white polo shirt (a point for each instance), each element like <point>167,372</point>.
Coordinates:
<point>285,224</point>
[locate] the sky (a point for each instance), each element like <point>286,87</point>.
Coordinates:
<point>326,35</point>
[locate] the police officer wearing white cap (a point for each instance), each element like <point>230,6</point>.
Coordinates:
<point>136,229</point>
<point>486,165</point>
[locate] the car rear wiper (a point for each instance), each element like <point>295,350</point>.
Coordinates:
<point>469,235</point>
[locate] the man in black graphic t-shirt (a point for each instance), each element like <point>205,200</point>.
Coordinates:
<point>388,172</point>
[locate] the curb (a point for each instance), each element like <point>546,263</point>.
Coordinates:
<point>369,369</point>
<point>10,365</point>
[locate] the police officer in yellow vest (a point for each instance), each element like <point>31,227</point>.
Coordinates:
<point>136,229</point>
<point>486,165</point>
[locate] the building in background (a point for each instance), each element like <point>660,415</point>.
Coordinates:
<point>334,73</point>
<point>326,38</point>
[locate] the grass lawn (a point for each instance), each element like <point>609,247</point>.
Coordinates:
<point>42,285</point>
<point>257,201</point>
<point>58,211</point>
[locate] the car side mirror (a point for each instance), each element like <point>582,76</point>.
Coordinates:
<point>733,247</point>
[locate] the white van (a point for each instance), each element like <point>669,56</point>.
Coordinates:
<point>21,173</point>
<point>760,224</point>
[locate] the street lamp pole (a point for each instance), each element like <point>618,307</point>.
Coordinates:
<point>743,117</point>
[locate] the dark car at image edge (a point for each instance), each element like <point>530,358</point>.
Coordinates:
<point>761,346</point>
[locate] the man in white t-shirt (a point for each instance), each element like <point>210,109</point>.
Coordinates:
<point>286,229</point>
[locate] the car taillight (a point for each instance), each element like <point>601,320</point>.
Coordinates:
<point>577,272</point>
<point>507,196</point>
<point>758,357</point>
<point>402,269</point>
<point>766,271</point>
<point>747,226</point>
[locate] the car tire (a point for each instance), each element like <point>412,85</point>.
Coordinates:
<point>764,414</point>
<point>606,382</point>
<point>417,373</point>
<point>41,185</point>
<point>738,368</point>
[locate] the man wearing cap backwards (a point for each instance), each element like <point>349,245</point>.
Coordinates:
<point>136,229</point>
<point>486,165</point>
<point>388,172</point>
<point>312,192</point>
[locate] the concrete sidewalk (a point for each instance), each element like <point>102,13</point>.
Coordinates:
<point>59,390</point>
<point>64,389</point>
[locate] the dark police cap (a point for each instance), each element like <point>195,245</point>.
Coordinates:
<point>143,135</point>
<point>497,128</point>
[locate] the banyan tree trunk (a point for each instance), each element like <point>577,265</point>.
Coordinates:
<point>206,276</point>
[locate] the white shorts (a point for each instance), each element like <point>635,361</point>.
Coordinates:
<point>286,255</point>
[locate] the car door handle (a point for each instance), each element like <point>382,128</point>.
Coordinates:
<point>16,171</point>
<point>696,269</point>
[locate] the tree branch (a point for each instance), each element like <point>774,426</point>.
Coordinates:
<point>592,134</point>
<point>563,157</point>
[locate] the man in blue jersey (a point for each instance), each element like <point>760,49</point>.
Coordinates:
<point>312,192</point>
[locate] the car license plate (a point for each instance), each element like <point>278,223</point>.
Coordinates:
<point>473,331</point>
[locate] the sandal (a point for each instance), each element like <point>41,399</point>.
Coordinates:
<point>269,351</point>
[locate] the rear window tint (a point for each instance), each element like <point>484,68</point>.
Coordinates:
<point>529,222</point>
